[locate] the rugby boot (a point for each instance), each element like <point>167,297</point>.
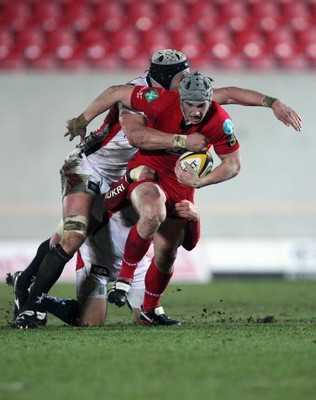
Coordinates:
<point>26,320</point>
<point>118,293</point>
<point>157,316</point>
<point>20,296</point>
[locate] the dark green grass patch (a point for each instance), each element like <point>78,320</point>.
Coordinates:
<point>239,340</point>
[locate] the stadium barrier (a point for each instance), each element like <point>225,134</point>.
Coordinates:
<point>292,258</point>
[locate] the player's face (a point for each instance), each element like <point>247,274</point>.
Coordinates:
<point>177,78</point>
<point>194,111</point>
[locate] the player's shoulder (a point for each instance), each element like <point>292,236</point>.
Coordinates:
<point>156,94</point>
<point>218,111</point>
<point>139,81</point>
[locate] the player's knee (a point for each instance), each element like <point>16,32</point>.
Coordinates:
<point>74,232</point>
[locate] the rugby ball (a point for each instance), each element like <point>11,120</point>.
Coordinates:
<point>201,162</point>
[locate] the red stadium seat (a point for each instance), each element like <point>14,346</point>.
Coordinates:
<point>109,61</point>
<point>252,49</point>
<point>172,15</point>
<point>154,40</point>
<point>6,42</point>
<point>265,14</point>
<point>306,44</point>
<point>16,15</point>
<point>45,61</point>
<point>109,16</point>
<point>60,37</point>
<point>295,14</point>
<point>78,15</point>
<point>46,15</point>
<point>180,39</point>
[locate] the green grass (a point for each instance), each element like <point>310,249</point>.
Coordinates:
<point>224,349</point>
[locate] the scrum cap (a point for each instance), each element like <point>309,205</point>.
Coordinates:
<point>195,87</point>
<point>165,64</point>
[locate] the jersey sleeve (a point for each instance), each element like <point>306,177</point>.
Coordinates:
<point>224,140</point>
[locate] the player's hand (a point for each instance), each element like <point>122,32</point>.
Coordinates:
<point>186,209</point>
<point>286,115</point>
<point>196,142</point>
<point>188,177</point>
<point>76,127</point>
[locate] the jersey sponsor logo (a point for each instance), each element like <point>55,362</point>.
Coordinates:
<point>114,192</point>
<point>151,95</point>
<point>231,140</point>
<point>228,126</point>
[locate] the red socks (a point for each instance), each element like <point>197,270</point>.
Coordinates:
<point>135,249</point>
<point>155,283</point>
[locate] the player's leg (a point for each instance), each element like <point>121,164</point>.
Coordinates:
<point>79,186</point>
<point>148,200</point>
<point>22,280</point>
<point>91,296</point>
<point>135,296</point>
<point>166,242</point>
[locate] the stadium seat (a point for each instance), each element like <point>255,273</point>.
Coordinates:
<point>16,15</point>
<point>108,16</point>
<point>12,60</point>
<point>44,61</point>
<point>60,37</point>
<point>153,40</point>
<point>264,14</point>
<point>172,15</point>
<point>6,42</point>
<point>78,15</point>
<point>306,44</point>
<point>46,15</point>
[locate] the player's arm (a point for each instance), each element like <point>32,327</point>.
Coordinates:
<point>247,97</point>
<point>142,137</point>
<point>227,169</point>
<point>110,96</point>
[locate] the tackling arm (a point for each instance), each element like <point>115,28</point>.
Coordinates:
<point>247,97</point>
<point>139,135</point>
<point>110,96</point>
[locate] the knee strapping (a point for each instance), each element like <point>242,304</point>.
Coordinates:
<point>76,223</point>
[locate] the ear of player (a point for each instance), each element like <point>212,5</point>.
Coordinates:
<point>201,162</point>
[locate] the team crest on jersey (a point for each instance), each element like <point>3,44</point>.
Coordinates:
<point>151,95</point>
<point>228,126</point>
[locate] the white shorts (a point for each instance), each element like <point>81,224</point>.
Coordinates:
<point>100,259</point>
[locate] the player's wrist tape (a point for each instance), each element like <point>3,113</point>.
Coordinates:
<point>179,141</point>
<point>268,101</point>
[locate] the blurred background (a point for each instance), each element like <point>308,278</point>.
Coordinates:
<point>56,56</point>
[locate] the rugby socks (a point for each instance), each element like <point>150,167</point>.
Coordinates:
<point>65,309</point>
<point>48,273</point>
<point>155,285</point>
<point>29,274</point>
<point>135,249</point>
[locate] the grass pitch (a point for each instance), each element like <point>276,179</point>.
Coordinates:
<point>240,340</point>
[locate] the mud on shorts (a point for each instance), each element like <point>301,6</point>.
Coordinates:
<point>78,176</point>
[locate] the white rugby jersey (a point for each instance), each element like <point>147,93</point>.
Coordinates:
<point>109,152</point>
